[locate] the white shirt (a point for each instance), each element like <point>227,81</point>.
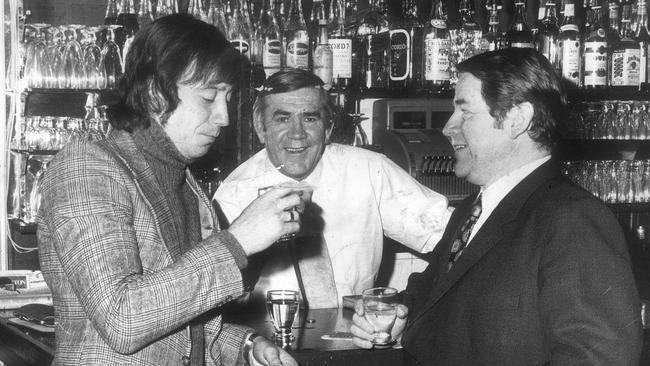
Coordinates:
<point>492,195</point>
<point>364,195</point>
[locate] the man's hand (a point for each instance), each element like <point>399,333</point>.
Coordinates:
<point>362,330</point>
<point>265,352</point>
<point>267,218</point>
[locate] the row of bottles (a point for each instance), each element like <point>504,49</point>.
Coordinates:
<point>370,50</point>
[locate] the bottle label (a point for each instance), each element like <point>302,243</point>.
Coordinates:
<point>570,60</point>
<point>242,46</point>
<point>341,57</point>
<point>522,45</point>
<point>400,54</point>
<point>595,63</point>
<point>569,10</point>
<point>436,59</point>
<point>438,23</point>
<point>569,27</point>
<point>298,54</point>
<point>323,64</point>
<point>376,70</point>
<point>625,67</point>
<point>271,56</point>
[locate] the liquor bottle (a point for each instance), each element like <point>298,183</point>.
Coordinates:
<point>166,7</point>
<point>437,51</point>
<point>594,57</point>
<point>269,40</point>
<point>642,37</point>
<point>279,14</point>
<point>297,38</point>
<point>614,23</point>
<point>111,12</point>
<point>239,34</point>
<point>145,14</point>
<point>128,19</point>
<point>569,45</point>
<point>322,57</point>
<point>519,35</point>
<point>195,9</point>
<point>401,48</point>
<point>374,41</point>
<point>341,46</point>
<point>493,39</point>
<point>625,54</point>
<point>546,39</point>
<point>217,16</point>
<point>470,31</point>
<point>313,26</point>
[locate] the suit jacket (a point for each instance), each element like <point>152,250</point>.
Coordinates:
<point>122,291</point>
<point>546,280</point>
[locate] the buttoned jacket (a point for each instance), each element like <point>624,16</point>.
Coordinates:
<point>123,293</point>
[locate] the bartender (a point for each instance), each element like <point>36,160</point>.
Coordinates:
<point>358,196</point>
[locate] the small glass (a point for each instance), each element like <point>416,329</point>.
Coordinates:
<point>282,306</point>
<point>380,308</point>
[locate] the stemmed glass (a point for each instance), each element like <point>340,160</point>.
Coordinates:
<point>72,70</point>
<point>54,56</point>
<point>92,60</point>
<point>35,57</point>
<point>111,59</point>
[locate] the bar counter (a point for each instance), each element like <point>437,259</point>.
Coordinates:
<point>19,346</point>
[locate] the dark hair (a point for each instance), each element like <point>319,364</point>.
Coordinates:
<point>287,81</point>
<point>515,75</point>
<point>172,49</point>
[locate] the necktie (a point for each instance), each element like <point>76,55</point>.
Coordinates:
<point>465,230</point>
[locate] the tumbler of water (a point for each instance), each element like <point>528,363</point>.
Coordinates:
<point>380,308</point>
<point>282,306</point>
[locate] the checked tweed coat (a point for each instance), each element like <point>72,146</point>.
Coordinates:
<point>123,293</point>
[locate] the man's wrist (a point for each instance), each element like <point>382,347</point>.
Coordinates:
<point>248,347</point>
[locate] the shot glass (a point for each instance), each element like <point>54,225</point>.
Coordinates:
<point>380,308</point>
<point>282,306</point>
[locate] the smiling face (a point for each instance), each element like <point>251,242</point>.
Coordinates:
<point>481,149</point>
<point>293,127</point>
<point>197,120</point>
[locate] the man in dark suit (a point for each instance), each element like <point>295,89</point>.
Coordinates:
<point>533,270</point>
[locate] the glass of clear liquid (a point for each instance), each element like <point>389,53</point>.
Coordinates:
<point>380,308</point>
<point>282,306</point>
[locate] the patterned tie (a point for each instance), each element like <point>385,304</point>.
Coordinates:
<point>463,235</point>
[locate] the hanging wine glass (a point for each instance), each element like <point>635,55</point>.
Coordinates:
<point>71,69</point>
<point>111,59</point>
<point>35,57</point>
<point>95,74</point>
<point>53,56</point>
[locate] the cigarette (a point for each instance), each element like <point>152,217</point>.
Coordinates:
<point>279,167</point>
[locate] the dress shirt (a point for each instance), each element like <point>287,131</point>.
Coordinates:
<point>363,196</point>
<point>494,193</point>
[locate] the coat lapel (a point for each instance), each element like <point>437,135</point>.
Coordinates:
<point>132,158</point>
<point>501,222</point>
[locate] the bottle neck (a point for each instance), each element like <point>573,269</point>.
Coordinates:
<point>569,13</point>
<point>642,16</point>
<point>520,17</point>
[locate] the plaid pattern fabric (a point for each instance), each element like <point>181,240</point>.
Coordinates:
<point>123,293</point>
<point>465,231</point>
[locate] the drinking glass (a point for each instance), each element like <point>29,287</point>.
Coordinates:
<point>54,57</point>
<point>380,308</point>
<point>95,74</point>
<point>282,306</point>
<point>111,59</point>
<point>36,57</point>
<point>72,65</point>
<point>305,193</point>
